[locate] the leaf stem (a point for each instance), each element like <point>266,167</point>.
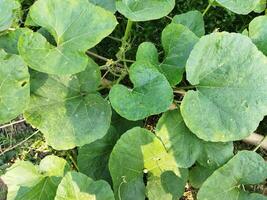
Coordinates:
<point>12,123</point>
<point>206,10</point>
<point>73,161</point>
<point>259,145</point>
<point>186,87</point>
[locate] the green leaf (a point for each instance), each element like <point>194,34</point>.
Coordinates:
<point>107,4</point>
<point>245,168</point>
<point>143,100</point>
<point>28,182</point>
<point>258,32</point>
<point>93,158</point>
<point>76,186</point>
<point>14,86</point>
<point>67,109</point>
<point>261,6</point>
<point>7,13</point>
<point>138,154</point>
<point>144,10</point>
<point>76,26</point>
<point>229,73</point>
<point>242,7</point>
<point>9,41</point>
<point>186,147</point>
<point>198,175</point>
<point>192,20</point>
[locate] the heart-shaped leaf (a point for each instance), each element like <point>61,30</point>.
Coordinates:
<point>245,168</point>
<point>192,20</point>
<point>186,147</point>
<point>139,10</point>
<point>93,158</point>
<point>14,86</point>
<point>242,7</point>
<point>28,182</point>
<point>7,13</point>
<point>76,186</point>
<point>138,154</point>
<point>258,32</point>
<point>67,108</point>
<point>107,4</point>
<point>76,26</point>
<point>151,94</point>
<point>229,73</point>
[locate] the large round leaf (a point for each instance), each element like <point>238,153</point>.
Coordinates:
<point>186,147</point>
<point>77,186</point>
<point>107,4</point>
<point>258,32</point>
<point>67,109</point>
<point>14,86</point>
<point>76,26</point>
<point>28,182</point>
<point>140,10</point>
<point>245,168</point>
<point>151,94</point>
<point>138,154</point>
<point>239,6</point>
<point>230,100</point>
<point>7,13</point>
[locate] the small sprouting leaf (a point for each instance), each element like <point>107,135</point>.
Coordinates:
<point>230,100</point>
<point>144,10</point>
<point>192,20</point>
<point>76,26</point>
<point>7,13</point>
<point>186,147</point>
<point>78,186</point>
<point>151,94</point>
<point>67,109</point>
<point>107,4</point>
<point>9,41</point>
<point>198,175</point>
<point>14,86</point>
<point>28,182</point>
<point>245,168</point>
<point>258,32</point>
<point>140,166</point>
<point>242,7</point>
<point>93,158</point>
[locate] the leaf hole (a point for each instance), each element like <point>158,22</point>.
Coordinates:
<point>23,84</point>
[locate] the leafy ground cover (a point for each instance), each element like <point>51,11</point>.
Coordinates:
<point>132,99</point>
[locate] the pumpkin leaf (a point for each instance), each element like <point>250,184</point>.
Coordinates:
<point>186,147</point>
<point>78,186</point>
<point>14,86</point>
<point>75,31</point>
<point>229,74</point>
<point>142,101</point>
<point>67,109</point>
<point>8,13</point>
<point>199,174</point>
<point>26,181</point>
<point>258,32</point>
<point>144,10</point>
<point>139,154</point>
<point>93,158</point>
<point>246,167</point>
<point>242,7</point>
<point>193,20</point>
<point>107,4</point>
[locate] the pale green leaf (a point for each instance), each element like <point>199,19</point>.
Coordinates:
<point>138,154</point>
<point>77,186</point>
<point>242,7</point>
<point>14,86</point>
<point>192,20</point>
<point>107,4</point>
<point>28,182</point>
<point>67,108</point>
<point>76,26</point>
<point>245,168</point>
<point>261,6</point>
<point>258,32</point>
<point>143,100</point>
<point>7,13</point>
<point>230,99</point>
<point>140,10</point>
<point>186,147</point>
